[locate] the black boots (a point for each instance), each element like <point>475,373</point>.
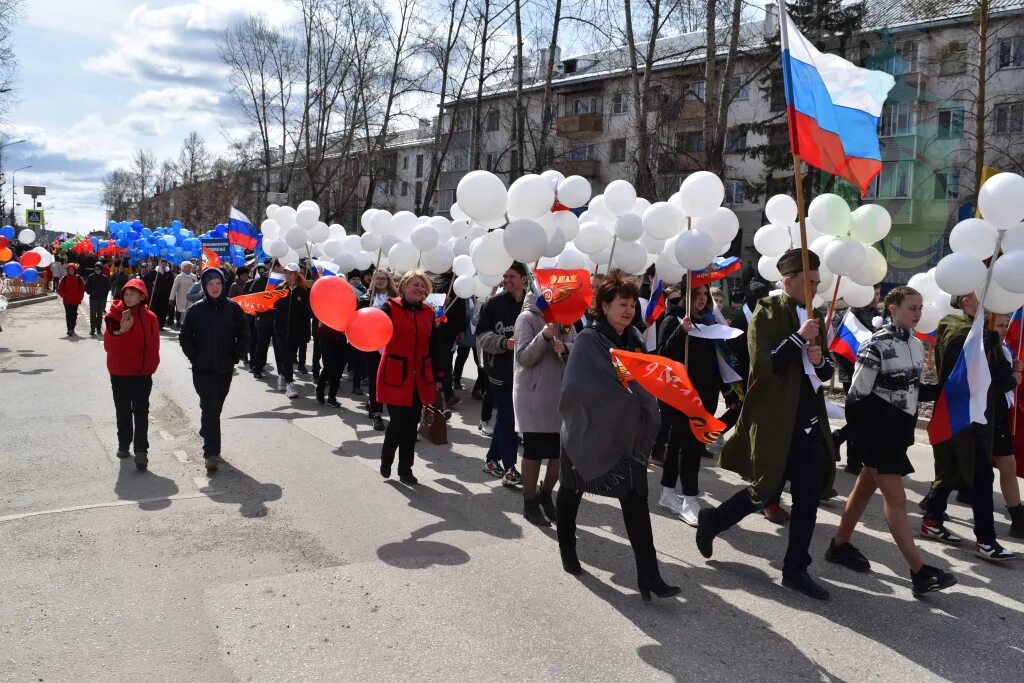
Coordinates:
<point>655,584</point>
<point>1016,521</point>
<point>548,505</point>
<point>532,511</point>
<point>566,506</point>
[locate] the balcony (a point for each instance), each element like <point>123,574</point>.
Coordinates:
<point>578,125</point>
<point>589,168</point>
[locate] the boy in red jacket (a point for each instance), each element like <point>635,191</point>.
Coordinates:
<point>132,342</point>
<point>71,290</point>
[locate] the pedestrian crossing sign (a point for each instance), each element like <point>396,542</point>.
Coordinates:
<point>33,217</point>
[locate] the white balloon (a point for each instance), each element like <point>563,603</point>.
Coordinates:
<point>592,238</point>
<point>1008,271</point>
<point>403,223</point>
<point>640,206</point>
<point>387,243</point>
<point>403,257</point>
<point>530,196</point>
<point>1001,199</point>
<point>424,237</point>
<point>463,265</point>
<point>525,240</point>
<point>457,213</point>
<point>781,210</point>
<point>960,273</point>
<point>663,220</point>
<point>930,317</point>
<point>482,196</point>
<point>276,248</point>
<point>567,223</point>
<point>854,294</point>
<point>547,263</point>
<point>476,232</point>
<point>999,300</point>
<point>571,259</point>
<point>295,237</point>
<point>490,256</point>
<point>695,250</point>
<point>831,214</point>
<point>602,257</point>
<point>460,229</point>
<point>367,219</point>
<point>653,246</point>
<point>547,221</point>
<point>292,256</point>
<point>872,270</point>
<point>666,267</point>
<point>309,204</point>
<point>439,259</point>
<point>464,286</point>
<point>701,193</point>
<point>381,222</point>
<point>270,229</point>
<point>630,257</point>
<point>353,243</point>
<point>333,248</point>
<point>346,263</point>
<point>974,236</point>
<point>307,217</point>
<point>364,260</point>
<point>599,211</point>
<point>1013,238</point>
<point>271,211</point>
<point>721,225</point>
<point>825,281</point>
<point>555,245</point>
<point>574,191</point>
<point>819,245</point>
<point>491,280</point>
<point>370,241</point>
<point>552,176</point>
<point>336,231</point>
<point>492,224</point>
<point>870,223</point>
<point>843,257</point>
<point>619,197</point>
<point>285,217</point>
<point>767,267</point>
<point>629,227</point>
<point>461,247</point>
<point>772,240</point>
<point>442,225</point>
<point>320,232</point>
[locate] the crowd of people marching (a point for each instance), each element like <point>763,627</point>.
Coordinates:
<point>584,425</point>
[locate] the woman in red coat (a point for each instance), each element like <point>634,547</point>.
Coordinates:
<point>409,374</point>
<point>132,342</point>
<point>71,290</point>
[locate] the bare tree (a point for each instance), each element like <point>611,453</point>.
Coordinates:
<point>193,167</point>
<point>142,170</point>
<point>10,15</point>
<point>119,195</point>
<point>543,155</point>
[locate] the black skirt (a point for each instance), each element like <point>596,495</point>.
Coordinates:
<point>1002,445</point>
<point>880,435</point>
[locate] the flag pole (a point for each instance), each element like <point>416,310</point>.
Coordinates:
<point>689,304</point>
<point>805,260</point>
<point>832,306</point>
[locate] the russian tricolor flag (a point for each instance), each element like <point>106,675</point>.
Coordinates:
<point>275,280</point>
<point>719,269</point>
<point>656,305</point>
<point>833,108</point>
<point>1015,330</point>
<point>241,231</point>
<point>965,394</point>
<point>850,335</point>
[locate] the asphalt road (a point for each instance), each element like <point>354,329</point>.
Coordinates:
<point>297,562</point>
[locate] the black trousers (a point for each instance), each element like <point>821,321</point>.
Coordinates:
<point>683,454</point>
<point>356,363</point>
<point>300,352</point>
<point>461,356</point>
<point>401,434</point>
<point>332,353</point>
<point>161,309</point>
<point>253,339</point>
<point>372,359</point>
<point>635,514</point>
<point>131,406</point>
<point>317,352</point>
<point>97,307</point>
<point>666,425</point>
<point>284,356</point>
<point>71,316</point>
<point>981,495</point>
<point>212,388</point>
<point>804,472</point>
<point>264,333</point>
<point>448,342</point>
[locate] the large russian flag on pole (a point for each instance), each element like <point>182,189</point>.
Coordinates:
<point>241,231</point>
<point>965,394</point>
<point>850,335</point>
<point>833,108</point>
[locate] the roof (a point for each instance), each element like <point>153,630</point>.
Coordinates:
<point>886,14</point>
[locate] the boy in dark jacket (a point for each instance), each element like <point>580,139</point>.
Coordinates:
<point>214,336</point>
<point>97,286</point>
<point>132,343</point>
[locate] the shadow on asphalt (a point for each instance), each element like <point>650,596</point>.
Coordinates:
<point>152,491</point>
<point>232,486</point>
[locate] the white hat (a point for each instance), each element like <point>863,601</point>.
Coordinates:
<point>292,267</point>
<point>185,263</point>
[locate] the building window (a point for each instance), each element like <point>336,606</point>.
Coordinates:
<point>777,94</point>
<point>1011,53</point>
<point>456,160</point>
<point>584,105</point>
<point>462,121</point>
<point>953,60</point>
<point>515,162</point>
<point>690,141</point>
<point>583,153</point>
<point>740,87</point>
<point>697,89</point>
<point>405,189</point>
<point>419,165</point>
<point>405,163</point>
<point>737,141</point>
<point>620,103</point>
<point>445,199</point>
<point>951,124</point>
<point>902,59</point>
<point>897,119</point>
<point>492,120</point>
<point>617,151</point>
<point>489,161</point>
<point>385,187</point>
<point>947,185</point>
<point>735,191</point>
<point>1010,118</point>
<point>893,182</point>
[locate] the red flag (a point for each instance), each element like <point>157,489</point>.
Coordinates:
<point>563,296</point>
<point>260,302</point>
<point>668,381</point>
<point>210,259</point>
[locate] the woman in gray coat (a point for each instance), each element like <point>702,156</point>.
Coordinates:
<point>540,355</point>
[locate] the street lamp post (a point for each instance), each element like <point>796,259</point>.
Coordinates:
<point>2,147</point>
<point>13,187</point>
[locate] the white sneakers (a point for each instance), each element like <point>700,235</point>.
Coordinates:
<point>290,391</point>
<point>670,500</point>
<point>486,428</point>
<point>689,510</point>
<point>281,383</point>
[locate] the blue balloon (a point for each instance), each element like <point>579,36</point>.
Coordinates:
<point>169,241</point>
<point>30,275</point>
<point>12,269</point>
<point>136,224</point>
<point>238,260</point>
<point>175,225</point>
<point>7,231</point>
<point>145,232</point>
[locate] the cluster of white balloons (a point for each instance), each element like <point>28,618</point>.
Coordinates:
<point>841,238</point>
<point>293,233</point>
<point>975,240</point>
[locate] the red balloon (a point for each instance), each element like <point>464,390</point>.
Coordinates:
<point>333,302</point>
<point>30,259</point>
<point>4,241</point>
<point>370,329</point>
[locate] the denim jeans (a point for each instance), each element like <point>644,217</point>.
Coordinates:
<point>504,444</point>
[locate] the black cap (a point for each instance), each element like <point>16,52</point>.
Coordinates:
<point>792,262</point>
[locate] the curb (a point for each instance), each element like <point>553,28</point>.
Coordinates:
<point>31,300</point>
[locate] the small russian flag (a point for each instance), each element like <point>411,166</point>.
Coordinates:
<point>656,305</point>
<point>719,269</point>
<point>275,280</point>
<point>1015,330</point>
<point>850,335</point>
<point>929,338</point>
<point>241,231</point>
<point>964,396</point>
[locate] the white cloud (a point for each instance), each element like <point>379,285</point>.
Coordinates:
<point>190,99</point>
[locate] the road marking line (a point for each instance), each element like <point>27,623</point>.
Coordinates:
<point>165,436</point>
<point>182,457</point>
<point>110,504</point>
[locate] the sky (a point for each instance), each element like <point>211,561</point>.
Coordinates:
<point>99,79</point>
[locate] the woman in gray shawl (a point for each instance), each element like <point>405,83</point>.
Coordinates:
<point>608,430</point>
